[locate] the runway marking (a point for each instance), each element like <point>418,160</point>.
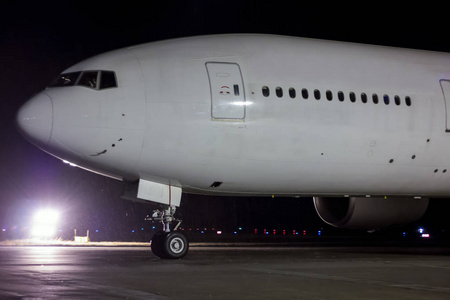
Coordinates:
<point>352,280</point>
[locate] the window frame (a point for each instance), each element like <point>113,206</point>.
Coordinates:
<point>292,93</point>
<point>375,98</point>
<point>305,93</point>
<point>279,91</point>
<point>101,72</point>
<point>99,79</point>
<point>364,98</point>
<point>329,95</point>
<point>408,101</point>
<point>58,79</point>
<point>317,94</point>
<point>96,87</point>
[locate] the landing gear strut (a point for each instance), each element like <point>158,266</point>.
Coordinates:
<point>167,243</point>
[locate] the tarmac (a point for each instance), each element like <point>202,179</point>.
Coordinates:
<point>68,272</point>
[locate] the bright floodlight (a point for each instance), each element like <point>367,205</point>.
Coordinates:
<point>45,223</point>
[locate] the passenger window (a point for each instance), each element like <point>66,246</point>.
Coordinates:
<point>397,100</point>
<point>292,93</point>
<point>329,95</point>
<point>363,98</point>
<point>108,80</point>
<point>341,96</point>
<point>375,98</point>
<point>352,97</point>
<point>305,94</point>
<point>265,91</point>
<point>317,94</point>
<point>386,99</point>
<point>89,79</point>
<point>68,79</point>
<point>279,92</point>
<point>408,101</point>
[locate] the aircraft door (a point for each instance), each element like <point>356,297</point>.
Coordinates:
<point>445,84</point>
<point>227,91</point>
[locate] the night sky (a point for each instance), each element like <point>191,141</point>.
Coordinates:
<point>38,41</point>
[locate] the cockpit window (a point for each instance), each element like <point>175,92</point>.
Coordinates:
<point>68,79</point>
<point>108,80</point>
<point>89,79</point>
<point>97,80</point>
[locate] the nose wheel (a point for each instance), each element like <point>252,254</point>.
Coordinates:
<point>166,243</point>
<point>171,245</point>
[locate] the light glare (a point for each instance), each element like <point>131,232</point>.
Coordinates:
<point>45,223</point>
<point>242,103</point>
<point>69,163</point>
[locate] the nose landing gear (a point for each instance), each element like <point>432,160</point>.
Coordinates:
<point>166,243</point>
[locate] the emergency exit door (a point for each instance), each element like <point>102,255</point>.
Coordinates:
<point>227,91</point>
<point>445,84</point>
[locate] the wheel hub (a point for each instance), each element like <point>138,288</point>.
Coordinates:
<point>176,245</point>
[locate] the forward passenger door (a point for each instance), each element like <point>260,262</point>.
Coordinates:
<point>227,91</point>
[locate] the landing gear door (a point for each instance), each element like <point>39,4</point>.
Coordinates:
<point>227,91</point>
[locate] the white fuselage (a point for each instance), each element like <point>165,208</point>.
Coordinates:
<point>195,113</point>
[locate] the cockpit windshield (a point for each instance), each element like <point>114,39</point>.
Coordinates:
<point>89,79</point>
<point>68,79</point>
<point>96,80</point>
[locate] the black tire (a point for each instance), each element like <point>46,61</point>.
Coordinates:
<point>175,245</point>
<point>157,244</point>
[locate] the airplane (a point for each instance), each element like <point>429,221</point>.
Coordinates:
<point>363,129</point>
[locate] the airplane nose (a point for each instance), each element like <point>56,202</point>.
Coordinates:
<point>35,119</point>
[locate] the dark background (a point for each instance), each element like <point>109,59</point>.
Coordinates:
<point>38,41</point>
